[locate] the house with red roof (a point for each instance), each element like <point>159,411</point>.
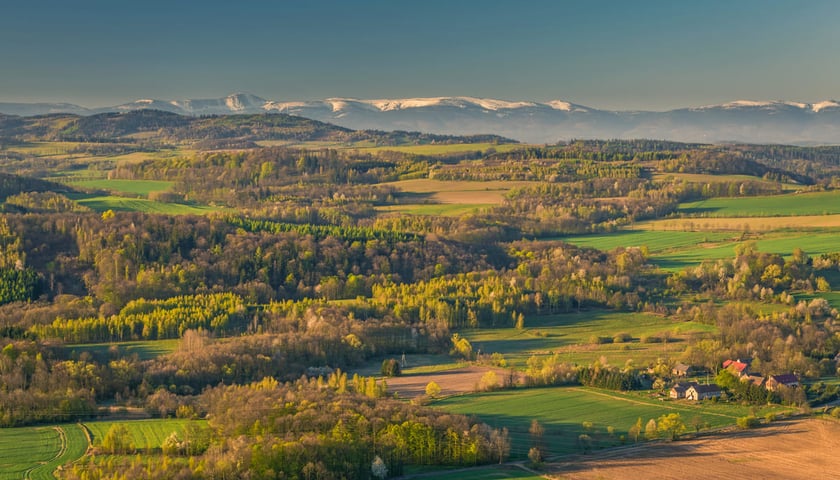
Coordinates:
<point>737,367</point>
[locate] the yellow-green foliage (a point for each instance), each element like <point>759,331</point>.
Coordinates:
<point>151,319</point>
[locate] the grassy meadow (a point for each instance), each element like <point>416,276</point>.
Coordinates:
<point>562,411</point>
<point>675,250</point>
<point>122,204</point>
<point>571,336</point>
<point>132,187</point>
<point>145,350</point>
<point>816,203</point>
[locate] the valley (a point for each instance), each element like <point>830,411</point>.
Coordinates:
<point>257,294</point>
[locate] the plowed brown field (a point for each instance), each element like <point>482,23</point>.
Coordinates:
<point>791,449</point>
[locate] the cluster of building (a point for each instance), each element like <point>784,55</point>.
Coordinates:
<point>739,368</point>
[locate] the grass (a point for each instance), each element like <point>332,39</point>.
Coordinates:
<point>478,473</point>
<point>134,187</point>
<point>145,350</point>
<point>443,149</point>
<point>817,203</point>
<point>570,334</point>
<point>35,452</point>
<point>656,242</point>
<point>681,249</point>
<point>718,178</point>
<point>562,411</point>
<point>147,435</point>
<point>437,209</point>
<point>417,363</point>
<point>122,204</point>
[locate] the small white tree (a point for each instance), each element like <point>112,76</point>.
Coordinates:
<point>378,467</point>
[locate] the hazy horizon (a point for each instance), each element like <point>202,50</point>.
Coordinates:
<point>604,54</point>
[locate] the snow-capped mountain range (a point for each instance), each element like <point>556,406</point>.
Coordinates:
<point>738,121</point>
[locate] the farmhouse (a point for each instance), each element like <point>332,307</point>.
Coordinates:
<point>737,367</point>
<point>702,392</point>
<point>679,389</point>
<point>680,370</point>
<point>786,379</point>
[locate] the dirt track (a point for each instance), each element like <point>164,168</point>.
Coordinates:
<point>793,449</point>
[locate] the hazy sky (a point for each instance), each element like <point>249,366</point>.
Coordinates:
<point>609,54</point>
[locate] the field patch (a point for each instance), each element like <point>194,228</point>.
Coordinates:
<point>122,204</point>
<point>147,435</point>
<point>655,241</point>
<point>562,412</point>
<point>135,187</point>
<point>145,350</point>
<point>425,196</point>
<point>35,452</point>
<point>451,382</point>
<point>437,209</point>
<point>817,203</point>
<point>444,149</point>
<point>676,250</point>
<point>740,224</point>
<point>803,449</point>
<point>718,178</point>
<point>570,335</point>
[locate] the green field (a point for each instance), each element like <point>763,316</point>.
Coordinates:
<point>122,204</point>
<point>678,250</point>
<point>570,334</point>
<point>147,435</point>
<point>440,209</point>
<point>135,187</point>
<point>35,452</point>
<point>818,203</point>
<point>145,350</point>
<point>562,411</point>
<point>656,242</point>
<point>479,473</point>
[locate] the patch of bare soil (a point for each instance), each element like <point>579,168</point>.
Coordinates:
<point>451,382</point>
<point>791,449</point>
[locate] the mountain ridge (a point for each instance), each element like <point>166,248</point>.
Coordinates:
<point>747,121</point>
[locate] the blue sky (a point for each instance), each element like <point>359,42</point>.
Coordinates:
<point>609,54</point>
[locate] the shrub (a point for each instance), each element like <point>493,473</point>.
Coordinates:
<point>535,456</point>
<point>391,367</point>
<point>432,389</point>
<point>747,422</point>
<point>622,337</point>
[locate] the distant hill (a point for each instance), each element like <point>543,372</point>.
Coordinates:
<point>740,121</point>
<point>216,131</point>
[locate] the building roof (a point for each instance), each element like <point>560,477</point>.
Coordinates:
<point>681,367</point>
<point>785,378</point>
<point>710,388</point>
<point>683,386</point>
<point>736,366</point>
